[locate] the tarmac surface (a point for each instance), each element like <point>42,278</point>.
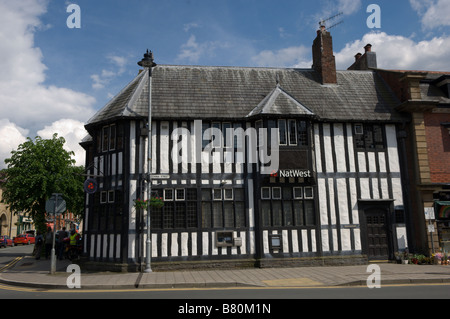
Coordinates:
<point>29,272</point>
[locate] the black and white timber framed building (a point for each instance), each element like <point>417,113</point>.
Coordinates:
<point>333,199</point>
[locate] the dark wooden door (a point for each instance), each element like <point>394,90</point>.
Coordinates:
<point>377,235</point>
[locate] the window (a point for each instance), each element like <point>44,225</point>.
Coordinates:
<point>282,132</point>
<point>228,193</point>
<point>103,197</point>
<point>265,192</point>
<point>107,211</point>
<point>309,193</point>
<point>105,138</point>
<point>179,194</point>
<point>298,192</point>
<point>288,206</point>
<point>302,133</point>
<point>112,137</point>
<point>111,196</point>
<point>168,194</point>
<point>290,132</point>
<point>227,135</point>
<point>179,210</point>
<point>223,208</point>
<point>369,136</point>
<point>276,192</point>
<point>217,194</point>
<point>108,138</point>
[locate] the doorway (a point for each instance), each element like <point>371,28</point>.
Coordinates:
<point>375,237</point>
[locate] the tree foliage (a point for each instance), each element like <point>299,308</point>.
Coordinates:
<point>35,171</point>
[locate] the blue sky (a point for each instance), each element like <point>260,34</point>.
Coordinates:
<point>54,77</point>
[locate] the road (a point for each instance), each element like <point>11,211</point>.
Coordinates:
<point>286,296</point>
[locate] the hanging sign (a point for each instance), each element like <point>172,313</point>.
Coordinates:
<point>90,186</point>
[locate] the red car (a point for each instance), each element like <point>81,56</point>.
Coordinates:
<point>5,241</point>
<point>24,239</point>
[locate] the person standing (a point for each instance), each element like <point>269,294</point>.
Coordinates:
<point>48,242</point>
<point>38,245</point>
<point>61,243</point>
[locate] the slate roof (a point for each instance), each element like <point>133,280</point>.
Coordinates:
<point>202,92</point>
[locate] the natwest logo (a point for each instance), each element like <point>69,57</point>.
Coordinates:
<point>294,173</point>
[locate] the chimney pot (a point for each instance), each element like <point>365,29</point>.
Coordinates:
<point>368,48</point>
<point>357,56</point>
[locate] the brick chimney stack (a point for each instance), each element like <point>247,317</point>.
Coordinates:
<point>365,62</point>
<point>323,58</point>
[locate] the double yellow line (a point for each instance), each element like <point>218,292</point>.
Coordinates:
<point>11,264</point>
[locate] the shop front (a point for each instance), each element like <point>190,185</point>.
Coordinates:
<point>442,214</point>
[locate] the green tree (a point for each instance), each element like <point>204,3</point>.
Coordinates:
<point>35,171</point>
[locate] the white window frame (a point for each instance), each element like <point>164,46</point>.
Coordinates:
<point>359,129</point>
<point>219,191</point>
<point>289,123</point>
<point>262,192</point>
<point>225,194</point>
<point>273,193</point>
<point>165,197</point>
<point>312,192</point>
<point>113,196</point>
<point>301,192</point>
<point>176,194</point>
<point>285,132</point>
<point>103,197</point>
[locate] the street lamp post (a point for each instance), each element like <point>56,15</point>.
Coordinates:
<point>147,63</point>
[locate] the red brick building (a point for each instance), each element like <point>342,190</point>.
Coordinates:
<point>425,95</point>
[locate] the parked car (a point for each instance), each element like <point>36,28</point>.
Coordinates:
<point>6,241</point>
<point>24,239</point>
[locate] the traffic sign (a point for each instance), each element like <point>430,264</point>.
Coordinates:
<point>60,204</point>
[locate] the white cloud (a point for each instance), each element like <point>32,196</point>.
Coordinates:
<point>10,137</point>
<point>192,51</point>
<point>26,102</point>
<point>188,26</point>
<point>73,132</point>
<point>399,52</point>
<point>118,64</point>
<point>295,57</point>
<point>434,13</point>
<point>349,6</point>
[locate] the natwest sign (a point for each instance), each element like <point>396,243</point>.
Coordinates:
<point>294,173</point>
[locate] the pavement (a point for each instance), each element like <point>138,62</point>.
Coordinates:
<point>29,272</point>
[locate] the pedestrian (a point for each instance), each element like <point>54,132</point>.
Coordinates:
<point>48,242</point>
<point>38,245</point>
<point>63,234</point>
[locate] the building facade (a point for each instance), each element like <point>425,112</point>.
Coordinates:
<point>425,97</point>
<point>256,166</point>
